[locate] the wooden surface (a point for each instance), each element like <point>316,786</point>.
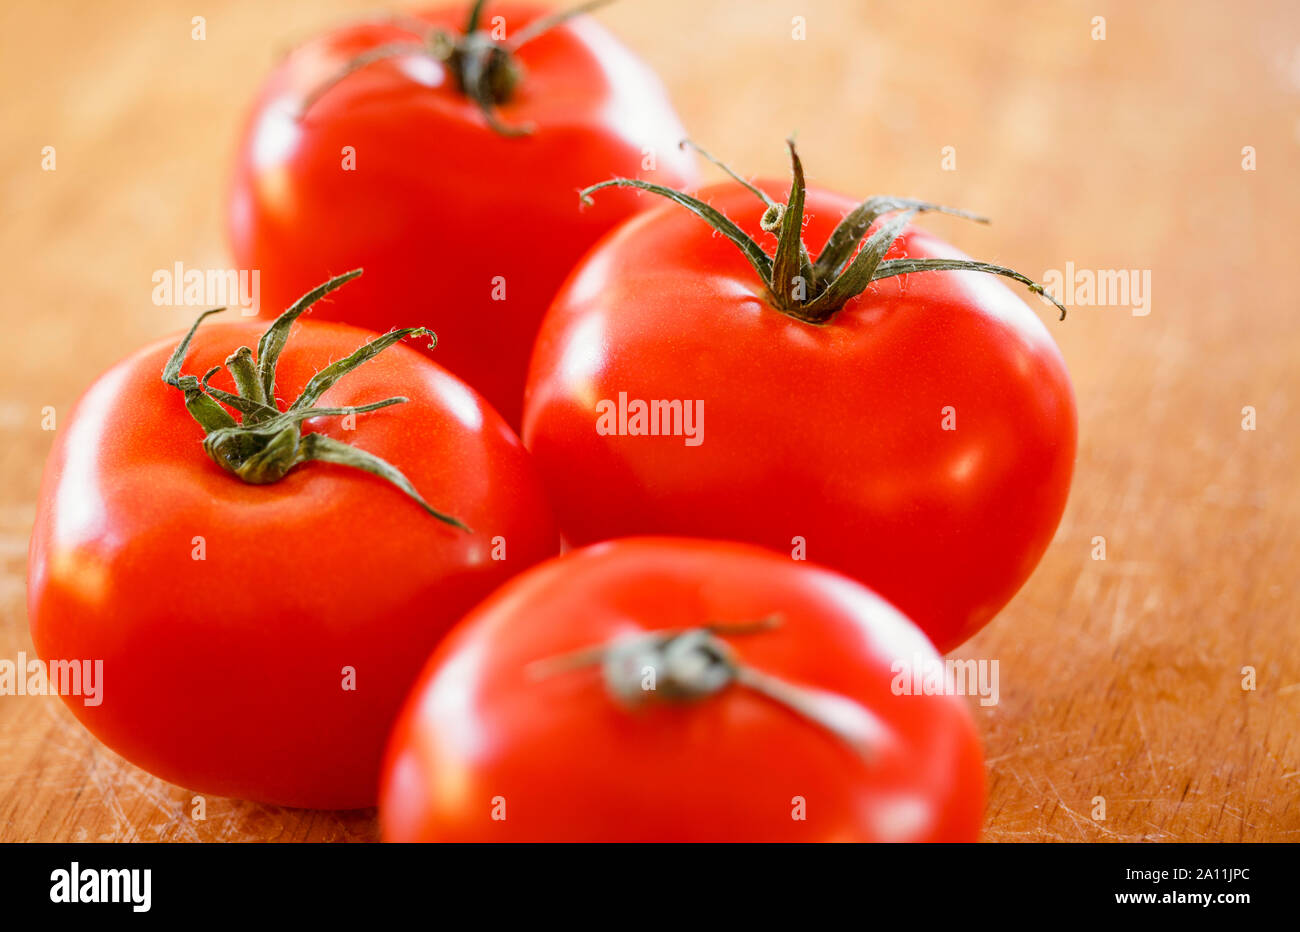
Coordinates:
<point>1119,678</point>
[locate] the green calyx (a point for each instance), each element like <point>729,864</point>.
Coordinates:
<point>266,442</point>
<point>485,69</point>
<point>694,664</point>
<point>813,290</point>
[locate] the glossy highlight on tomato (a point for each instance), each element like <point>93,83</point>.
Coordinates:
<point>680,690</point>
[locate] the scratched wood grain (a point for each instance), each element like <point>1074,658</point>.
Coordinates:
<point>1119,678</point>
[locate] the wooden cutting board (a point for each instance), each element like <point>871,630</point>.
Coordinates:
<point>1119,679</point>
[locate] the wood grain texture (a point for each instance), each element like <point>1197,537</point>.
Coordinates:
<point>1119,678</point>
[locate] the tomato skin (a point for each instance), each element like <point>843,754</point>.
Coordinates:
<point>571,764</point>
<point>225,674</point>
<point>829,434</point>
<point>440,209</point>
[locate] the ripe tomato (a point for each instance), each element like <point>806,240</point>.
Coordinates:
<point>228,616</point>
<point>462,227</point>
<point>680,690</point>
<point>920,438</point>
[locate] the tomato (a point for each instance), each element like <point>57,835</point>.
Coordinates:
<point>680,690</point>
<point>257,639</point>
<point>918,435</point>
<point>466,228</point>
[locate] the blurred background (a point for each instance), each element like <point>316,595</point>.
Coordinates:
<point>1170,146</point>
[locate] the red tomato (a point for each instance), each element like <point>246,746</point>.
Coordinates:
<point>227,615</point>
<point>447,215</point>
<point>827,436</point>
<point>533,721</point>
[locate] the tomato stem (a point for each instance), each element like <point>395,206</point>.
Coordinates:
<point>267,443</point>
<point>812,291</point>
<point>485,69</point>
<point>247,380</point>
<point>475,16</point>
<point>691,664</point>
